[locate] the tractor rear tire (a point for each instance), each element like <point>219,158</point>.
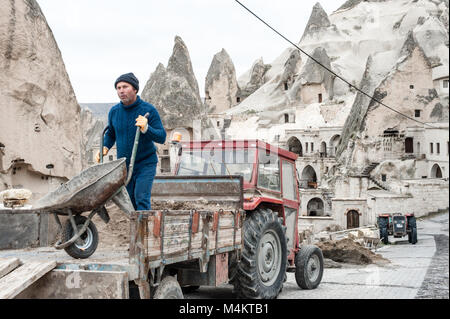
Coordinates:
<point>384,235</point>
<point>262,269</point>
<point>309,267</point>
<point>414,235</point>
<point>169,288</point>
<point>89,239</point>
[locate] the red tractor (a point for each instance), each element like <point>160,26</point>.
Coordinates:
<point>271,202</point>
<point>397,225</point>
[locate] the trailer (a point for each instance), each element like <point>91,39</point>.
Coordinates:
<point>168,249</point>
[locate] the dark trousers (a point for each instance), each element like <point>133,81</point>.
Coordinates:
<point>140,186</point>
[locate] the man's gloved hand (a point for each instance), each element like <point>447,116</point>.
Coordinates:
<point>142,122</point>
<point>105,151</point>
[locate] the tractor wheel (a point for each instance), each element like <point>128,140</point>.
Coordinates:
<point>384,235</point>
<point>88,240</point>
<point>262,269</point>
<point>169,288</point>
<point>412,225</point>
<point>414,235</point>
<point>383,226</point>
<point>309,267</point>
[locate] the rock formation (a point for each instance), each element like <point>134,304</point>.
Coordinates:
<point>40,117</point>
<point>221,88</point>
<point>253,79</point>
<point>369,118</point>
<point>174,90</point>
<point>313,73</point>
<point>317,22</point>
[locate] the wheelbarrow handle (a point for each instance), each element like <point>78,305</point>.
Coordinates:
<point>133,154</point>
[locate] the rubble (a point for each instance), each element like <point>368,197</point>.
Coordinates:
<point>348,250</point>
<point>15,197</point>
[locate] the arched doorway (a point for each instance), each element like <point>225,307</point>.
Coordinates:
<point>323,149</point>
<point>436,171</point>
<point>295,146</point>
<point>352,219</point>
<point>315,207</point>
<point>309,178</point>
<point>334,142</point>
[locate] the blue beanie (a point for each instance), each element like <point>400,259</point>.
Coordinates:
<point>129,78</point>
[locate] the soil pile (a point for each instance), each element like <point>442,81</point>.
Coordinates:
<point>349,251</point>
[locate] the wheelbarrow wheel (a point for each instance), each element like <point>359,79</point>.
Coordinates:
<point>86,245</point>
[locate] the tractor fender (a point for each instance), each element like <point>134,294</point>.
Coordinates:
<point>255,202</point>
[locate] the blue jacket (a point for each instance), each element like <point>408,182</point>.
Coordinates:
<point>122,130</point>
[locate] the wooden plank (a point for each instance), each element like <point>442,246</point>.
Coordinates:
<point>7,265</point>
<point>21,278</point>
<point>78,284</point>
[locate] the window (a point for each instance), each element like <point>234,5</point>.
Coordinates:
<point>417,113</point>
<point>286,86</point>
<point>409,145</point>
<point>306,147</point>
<point>445,84</point>
<point>218,123</point>
<point>238,99</point>
<point>320,97</point>
<point>312,147</point>
<point>218,162</point>
<point>111,158</point>
<point>411,86</point>
<point>383,177</point>
<point>438,148</point>
<point>431,148</point>
<point>269,171</point>
<point>289,183</point>
<point>286,118</point>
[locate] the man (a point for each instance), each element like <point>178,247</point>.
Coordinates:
<point>122,121</point>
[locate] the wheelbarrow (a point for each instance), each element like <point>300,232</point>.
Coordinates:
<point>88,192</point>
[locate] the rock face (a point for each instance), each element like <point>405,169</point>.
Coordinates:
<point>253,79</point>
<point>353,3</point>
<point>221,88</point>
<point>291,68</point>
<point>174,90</point>
<point>40,117</point>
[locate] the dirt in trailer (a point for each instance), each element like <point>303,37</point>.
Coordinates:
<point>117,232</point>
<point>348,251</point>
<point>200,204</point>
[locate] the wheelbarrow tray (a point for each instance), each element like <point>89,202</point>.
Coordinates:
<point>86,191</point>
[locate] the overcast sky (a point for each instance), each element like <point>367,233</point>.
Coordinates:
<point>102,39</point>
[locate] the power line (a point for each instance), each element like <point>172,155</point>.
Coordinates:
<point>335,74</point>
